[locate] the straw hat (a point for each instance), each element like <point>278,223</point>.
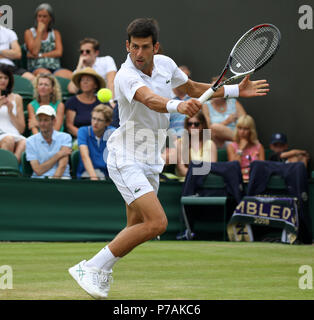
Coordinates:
<point>90,72</point>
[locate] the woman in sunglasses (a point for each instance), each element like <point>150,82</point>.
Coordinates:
<point>195,144</point>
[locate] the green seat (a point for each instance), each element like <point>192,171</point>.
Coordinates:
<point>23,87</point>
<point>26,166</point>
<point>75,158</point>
<point>268,153</point>
<point>222,155</point>
<point>214,182</point>
<point>64,87</point>
<point>276,183</point>
<point>9,165</point>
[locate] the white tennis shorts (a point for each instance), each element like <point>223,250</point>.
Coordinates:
<point>133,179</point>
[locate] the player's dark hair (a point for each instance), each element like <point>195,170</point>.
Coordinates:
<point>143,28</point>
<point>6,69</point>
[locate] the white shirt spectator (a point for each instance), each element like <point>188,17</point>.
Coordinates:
<point>104,65</point>
<point>7,36</point>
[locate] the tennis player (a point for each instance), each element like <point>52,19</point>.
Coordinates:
<point>143,87</point>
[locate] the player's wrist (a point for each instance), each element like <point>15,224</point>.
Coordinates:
<point>172,105</point>
<point>231,91</point>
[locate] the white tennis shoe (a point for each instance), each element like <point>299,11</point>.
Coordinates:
<point>94,281</point>
<point>105,279</point>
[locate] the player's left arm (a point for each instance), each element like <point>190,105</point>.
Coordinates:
<point>247,88</point>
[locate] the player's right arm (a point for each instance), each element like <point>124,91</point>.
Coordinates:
<point>159,104</point>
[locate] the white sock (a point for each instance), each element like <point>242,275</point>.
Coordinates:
<point>104,259</point>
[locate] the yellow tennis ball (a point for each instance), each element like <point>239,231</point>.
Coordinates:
<point>104,95</point>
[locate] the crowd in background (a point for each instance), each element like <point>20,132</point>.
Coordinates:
<point>49,128</point>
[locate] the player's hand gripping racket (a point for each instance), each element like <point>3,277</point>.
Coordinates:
<point>252,51</point>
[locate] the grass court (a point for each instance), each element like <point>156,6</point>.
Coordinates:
<point>165,270</point>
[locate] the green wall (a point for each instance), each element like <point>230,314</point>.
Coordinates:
<point>73,210</point>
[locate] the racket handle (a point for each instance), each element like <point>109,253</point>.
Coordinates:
<point>206,95</point>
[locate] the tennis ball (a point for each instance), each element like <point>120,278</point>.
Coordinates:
<point>104,95</point>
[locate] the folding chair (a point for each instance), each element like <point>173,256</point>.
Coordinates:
<point>214,182</point>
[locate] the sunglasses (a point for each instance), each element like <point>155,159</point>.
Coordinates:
<point>87,51</point>
<point>196,124</point>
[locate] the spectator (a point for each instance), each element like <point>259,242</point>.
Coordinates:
<point>246,147</point>
<point>280,148</point>
<point>48,151</point>
<point>47,91</point>
<point>92,141</point>
<point>44,44</point>
<point>189,150</point>
<point>12,122</point>
<point>79,107</point>
<point>89,57</point>
<point>10,50</point>
<point>221,115</point>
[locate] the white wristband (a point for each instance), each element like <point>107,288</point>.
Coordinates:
<point>231,91</point>
<point>172,105</point>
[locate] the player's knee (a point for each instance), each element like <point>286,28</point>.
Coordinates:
<point>158,227</point>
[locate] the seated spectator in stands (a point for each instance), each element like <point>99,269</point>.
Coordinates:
<point>92,142</point>
<point>221,115</point>
<point>246,147</point>
<point>47,91</point>
<point>280,148</point>
<point>89,57</point>
<point>44,44</point>
<point>79,108</point>
<point>10,50</point>
<point>194,145</point>
<point>176,125</point>
<point>12,123</point>
<point>48,151</point>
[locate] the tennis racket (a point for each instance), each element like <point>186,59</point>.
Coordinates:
<point>252,51</point>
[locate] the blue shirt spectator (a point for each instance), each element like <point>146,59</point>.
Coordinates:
<point>92,142</point>
<point>96,147</point>
<point>37,148</point>
<point>49,149</point>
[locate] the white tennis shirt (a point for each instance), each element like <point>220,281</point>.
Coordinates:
<point>142,131</point>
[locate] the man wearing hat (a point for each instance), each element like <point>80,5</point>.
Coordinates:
<point>279,146</point>
<point>79,107</point>
<point>48,151</point>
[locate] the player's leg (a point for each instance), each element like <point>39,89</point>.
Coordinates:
<point>154,222</point>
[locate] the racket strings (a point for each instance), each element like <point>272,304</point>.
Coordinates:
<point>254,49</point>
